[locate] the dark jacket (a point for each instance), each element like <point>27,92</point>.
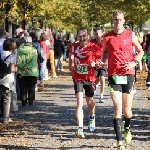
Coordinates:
<point>147,42</point>
<point>59,47</point>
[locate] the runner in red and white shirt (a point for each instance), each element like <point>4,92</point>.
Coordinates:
<point>82,61</point>
<point>101,72</point>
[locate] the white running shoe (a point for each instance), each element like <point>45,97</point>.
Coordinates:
<point>101,100</point>
<point>54,76</point>
<point>79,134</point>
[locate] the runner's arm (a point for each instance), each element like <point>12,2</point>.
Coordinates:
<point>105,52</point>
<point>71,59</point>
<point>138,47</point>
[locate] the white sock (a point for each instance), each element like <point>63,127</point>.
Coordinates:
<point>101,95</point>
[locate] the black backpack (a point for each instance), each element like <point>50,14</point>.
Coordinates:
<point>4,69</point>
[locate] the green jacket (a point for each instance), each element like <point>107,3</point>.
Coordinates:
<point>27,57</point>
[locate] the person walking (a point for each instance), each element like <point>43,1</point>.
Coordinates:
<point>59,48</point>
<point>82,59</point>
<point>118,48</point>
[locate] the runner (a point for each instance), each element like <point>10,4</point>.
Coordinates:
<point>118,48</point>
<point>101,72</point>
<point>82,60</point>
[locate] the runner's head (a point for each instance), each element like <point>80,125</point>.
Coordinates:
<point>83,36</point>
<point>118,19</point>
<point>98,33</point>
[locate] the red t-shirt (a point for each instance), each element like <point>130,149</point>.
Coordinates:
<point>120,50</point>
<point>82,57</point>
<point>101,46</point>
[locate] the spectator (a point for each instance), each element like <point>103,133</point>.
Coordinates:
<point>36,44</point>
<point>27,71</point>
<point>45,48</point>
<point>59,49</point>
<point>7,82</point>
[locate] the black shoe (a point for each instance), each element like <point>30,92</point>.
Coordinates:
<point>31,103</point>
<point>24,103</point>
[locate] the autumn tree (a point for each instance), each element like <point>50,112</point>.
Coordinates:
<point>71,14</point>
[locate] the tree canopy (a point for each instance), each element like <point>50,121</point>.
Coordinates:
<point>71,14</point>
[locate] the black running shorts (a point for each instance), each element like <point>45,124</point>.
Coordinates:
<point>101,71</point>
<point>124,88</point>
<point>88,86</point>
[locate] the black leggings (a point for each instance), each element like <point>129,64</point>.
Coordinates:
<point>27,88</point>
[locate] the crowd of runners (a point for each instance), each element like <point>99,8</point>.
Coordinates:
<point>34,56</point>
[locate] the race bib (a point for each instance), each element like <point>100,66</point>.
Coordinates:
<point>120,79</point>
<point>82,69</point>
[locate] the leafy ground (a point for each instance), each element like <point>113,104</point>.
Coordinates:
<point>50,124</point>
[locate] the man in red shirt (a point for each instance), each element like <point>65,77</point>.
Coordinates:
<point>101,72</point>
<point>118,48</point>
<point>82,59</point>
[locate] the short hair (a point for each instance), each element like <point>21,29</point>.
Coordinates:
<point>34,37</point>
<point>97,28</point>
<point>83,29</point>
<point>44,37</point>
<point>18,31</point>
<point>8,44</point>
<point>117,12</point>
<point>25,39</point>
<point>28,39</point>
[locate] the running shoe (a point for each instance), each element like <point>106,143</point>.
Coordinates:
<point>91,125</point>
<point>79,134</point>
<point>101,100</point>
<point>54,76</point>
<point>127,135</point>
<point>120,147</point>
<point>7,121</point>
